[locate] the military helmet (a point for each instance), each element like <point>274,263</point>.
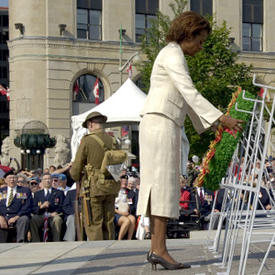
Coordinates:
<point>96,116</point>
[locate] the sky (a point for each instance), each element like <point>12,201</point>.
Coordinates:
<point>4,3</point>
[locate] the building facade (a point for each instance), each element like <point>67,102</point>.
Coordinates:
<point>59,49</point>
<point>4,73</point>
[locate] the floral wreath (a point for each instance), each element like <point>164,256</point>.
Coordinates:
<point>221,150</point>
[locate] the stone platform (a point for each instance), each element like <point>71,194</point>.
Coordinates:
<point>122,257</point>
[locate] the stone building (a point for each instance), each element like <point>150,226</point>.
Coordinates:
<point>4,75</point>
<point>58,50</point>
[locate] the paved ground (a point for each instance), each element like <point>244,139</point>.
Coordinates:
<point>121,257</point>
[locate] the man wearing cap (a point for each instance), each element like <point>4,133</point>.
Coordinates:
<point>15,209</point>
<point>34,185</point>
<point>55,180</point>
<point>92,153</point>
<point>62,183</point>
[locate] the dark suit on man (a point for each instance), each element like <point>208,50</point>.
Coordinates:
<point>21,205</point>
<point>132,197</point>
<point>69,218</point>
<point>55,198</point>
<point>203,203</point>
<point>264,199</point>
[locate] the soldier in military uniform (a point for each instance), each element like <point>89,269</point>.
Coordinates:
<point>15,209</point>
<point>99,216</point>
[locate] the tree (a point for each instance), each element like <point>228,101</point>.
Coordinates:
<point>214,70</point>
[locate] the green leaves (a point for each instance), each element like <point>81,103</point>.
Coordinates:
<point>226,147</point>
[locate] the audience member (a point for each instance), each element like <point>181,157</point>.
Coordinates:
<point>201,203</point>
<point>22,180</point>
<point>123,219</point>
<point>55,181</point>
<point>34,185</point>
<point>15,209</point>
<point>62,183</point>
<point>132,195</point>
<point>52,169</point>
<point>69,211</point>
<point>66,171</point>
<point>47,210</point>
<point>184,193</point>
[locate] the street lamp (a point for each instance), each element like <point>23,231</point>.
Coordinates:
<point>136,59</point>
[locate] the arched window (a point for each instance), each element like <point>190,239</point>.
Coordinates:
<point>87,88</point>
<point>87,91</point>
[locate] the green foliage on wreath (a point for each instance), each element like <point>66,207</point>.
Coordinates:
<point>226,147</point>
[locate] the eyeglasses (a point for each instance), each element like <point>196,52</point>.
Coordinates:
<point>34,183</point>
<point>21,181</point>
<point>55,180</point>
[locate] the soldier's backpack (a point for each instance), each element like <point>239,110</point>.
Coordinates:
<point>99,184</point>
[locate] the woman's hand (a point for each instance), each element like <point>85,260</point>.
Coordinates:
<point>231,123</point>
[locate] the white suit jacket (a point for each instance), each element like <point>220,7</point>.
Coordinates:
<point>172,92</point>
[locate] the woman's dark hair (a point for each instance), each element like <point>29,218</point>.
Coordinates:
<point>187,25</point>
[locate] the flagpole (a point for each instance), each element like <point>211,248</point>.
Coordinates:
<point>120,55</point>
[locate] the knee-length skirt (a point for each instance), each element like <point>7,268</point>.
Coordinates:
<point>159,141</point>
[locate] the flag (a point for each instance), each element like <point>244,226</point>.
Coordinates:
<point>124,131</point>
<point>4,92</point>
<point>130,70</point>
<point>261,93</point>
<point>76,89</point>
<point>8,93</point>
<point>96,91</point>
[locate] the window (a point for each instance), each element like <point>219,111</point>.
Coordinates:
<point>203,7</point>
<point>3,72</point>
<point>252,34</point>
<point>4,55</point>
<point>146,10</point>
<point>89,25</point>
<point>84,89</point>
<point>5,21</point>
<point>252,37</point>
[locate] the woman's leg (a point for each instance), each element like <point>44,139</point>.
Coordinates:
<point>132,226</point>
<point>158,227</point>
<point>124,224</point>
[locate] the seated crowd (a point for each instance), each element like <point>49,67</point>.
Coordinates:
<point>37,206</point>
<point>40,205</point>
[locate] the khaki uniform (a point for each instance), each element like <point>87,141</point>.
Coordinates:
<point>102,205</point>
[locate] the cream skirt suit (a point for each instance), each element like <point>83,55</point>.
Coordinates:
<point>172,95</point>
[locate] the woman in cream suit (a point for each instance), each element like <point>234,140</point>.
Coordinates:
<point>172,96</point>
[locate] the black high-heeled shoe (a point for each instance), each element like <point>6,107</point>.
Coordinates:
<point>154,259</point>
<point>148,255</point>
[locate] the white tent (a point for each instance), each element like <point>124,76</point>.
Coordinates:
<point>123,107</point>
